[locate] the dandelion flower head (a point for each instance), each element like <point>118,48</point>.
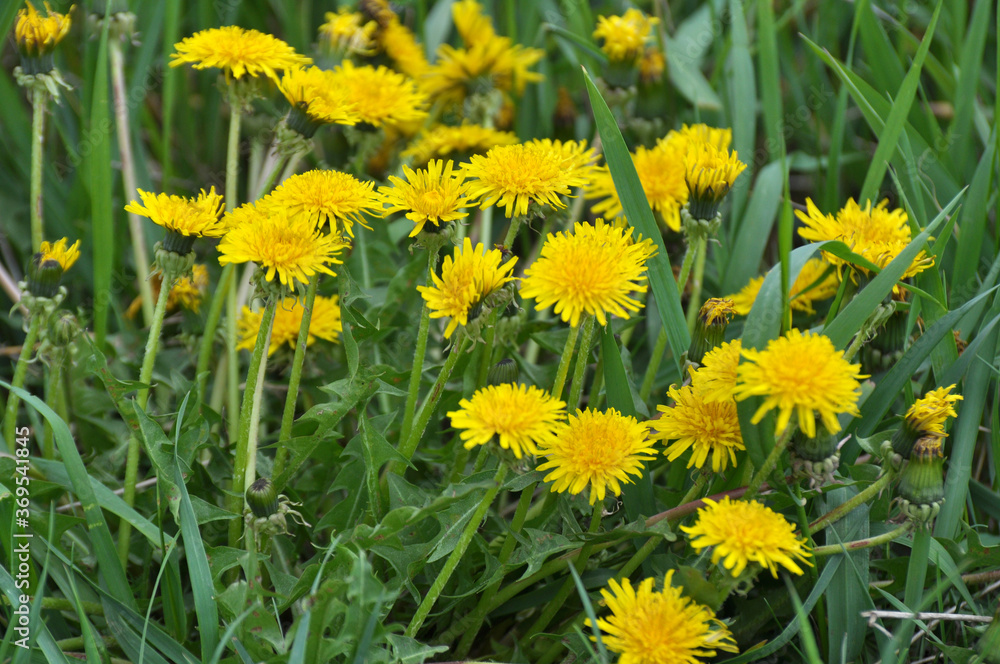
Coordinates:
<point>625,36</point>
<point>444,142</point>
<point>36,34</point>
<point>324,197</point>
<point>325,324</point>
<point>522,418</point>
<point>60,251</point>
<point>715,379</point>
<point>311,90</point>
<point>433,195</point>
<point>348,32</point>
<point>706,427</point>
<point>379,95</point>
<point>237,52</point>
<point>928,414</point>
<point>805,292</point>
<point>191,217</point>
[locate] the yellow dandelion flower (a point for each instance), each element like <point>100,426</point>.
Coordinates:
<point>432,195</point>
<point>312,91</point>
<point>379,95</point>
<point>495,63</point>
<point>465,281</point>
<point>807,289</point>
<point>187,292</point>
<point>652,65</point>
<point>664,627</point>
<point>237,52</point>
<point>327,198</point>
<point>472,25</point>
<point>188,217</point>
<point>661,173</point>
<point>444,142</point>
<point>625,36</point>
<point>710,173</point>
<point>401,46</point>
<point>876,233</point>
<point>348,32</point>
<point>522,418</point>
<point>596,449</point>
<point>706,427</point>
<point>743,532</point>
<point>280,244</point>
<point>512,176</point>
<point>802,374</point>
<point>59,252</point>
<point>594,270</point>
<point>38,35</point>
<point>928,414</point>
<point>715,379</point>
<point>688,135</point>
<point>325,324</point>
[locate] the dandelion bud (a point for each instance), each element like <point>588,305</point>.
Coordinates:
<point>504,371</point>
<point>710,327</point>
<point>926,417</point>
<point>921,485</point>
<point>64,330</point>
<point>47,266</point>
<point>37,37</point>
<point>710,172</point>
<point>816,457</point>
<point>262,498</point>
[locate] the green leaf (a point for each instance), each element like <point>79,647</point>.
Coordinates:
<point>99,181</point>
<point>640,216</point>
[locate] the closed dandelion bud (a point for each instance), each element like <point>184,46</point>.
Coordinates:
<point>262,498</point>
<point>37,36</point>
<point>988,645</point>
<point>47,266</point>
<point>710,172</point>
<point>504,371</point>
<point>921,485</point>
<point>64,330</point>
<point>710,327</point>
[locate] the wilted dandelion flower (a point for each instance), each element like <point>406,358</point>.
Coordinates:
<point>327,198</point>
<point>596,449</point>
<point>802,374</point>
<point>324,324</point>
<point>279,243</point>
<point>433,195</point>
<point>715,379</point>
<point>625,36</point>
<point>442,141</point>
<point>348,32</point>
<point>512,176</point>
<point>706,427</point>
<point>744,532</point>
<point>466,279</point>
<point>522,418</point>
<point>37,35</point>
<point>661,173</point>
<point>929,413</point>
<point>237,52</point>
<point>183,218</point>
<point>593,270</point>
<point>379,95</point>
<point>660,627</point>
<point>311,91</point>
<point>876,233</point>
<point>807,289</point>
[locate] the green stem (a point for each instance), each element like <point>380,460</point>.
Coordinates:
<point>211,324</point>
<point>245,463</point>
<point>54,397</point>
<point>582,360</point>
<point>695,490</point>
<point>232,195</point>
<point>694,304</point>
<point>409,445</point>
<point>845,508</point>
<point>145,377</point>
<point>487,350</point>
<point>419,353</point>
<point>654,365</point>
<point>139,256</point>
<point>564,360</point>
<point>847,547</point>
<point>288,416</point>
<point>39,105</point>
<point>510,541</point>
<point>266,183</point>
<point>559,601</point>
<point>512,229</point>
<point>20,371</point>
<point>686,264</point>
<point>769,463</point>
<point>456,555</point>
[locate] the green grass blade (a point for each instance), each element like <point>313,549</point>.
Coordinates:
<point>975,213</point>
<point>589,610</point>
<point>640,216</point>
<point>171,80</point>
<point>849,321</point>
<point>747,250</point>
<point>40,632</point>
<point>297,655</point>
<point>97,528</point>
<point>99,181</point>
<point>742,101</point>
<point>969,72</point>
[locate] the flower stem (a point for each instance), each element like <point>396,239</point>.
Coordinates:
<point>288,416</point>
<point>20,371</point>
<point>409,445</point>
<point>846,547</point>
<point>232,195</point>
<point>456,555</point>
<point>145,376</point>
<point>686,264</point>
<point>694,304</point>
<point>55,396</point>
<point>419,353</point>
<point>128,176</point>
<point>769,463</point>
<point>211,324</point>
<point>39,106</point>
<point>582,360</point>
<point>845,508</point>
<point>564,360</point>
<point>654,364</point>
<point>245,463</point>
